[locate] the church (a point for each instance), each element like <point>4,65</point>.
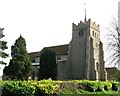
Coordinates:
<point>82,58</point>
<point>86,56</point>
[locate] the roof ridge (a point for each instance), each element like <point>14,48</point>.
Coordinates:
<point>57,46</point>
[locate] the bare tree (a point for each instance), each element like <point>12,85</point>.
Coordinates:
<point>113,43</point>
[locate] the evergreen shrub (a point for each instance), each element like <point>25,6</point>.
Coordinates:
<point>50,87</point>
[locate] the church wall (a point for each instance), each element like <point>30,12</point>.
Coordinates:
<point>69,63</point>
<point>95,36</point>
<point>78,54</point>
<point>37,59</point>
<point>103,73</point>
<point>61,69</point>
<point>78,59</point>
<point>59,57</point>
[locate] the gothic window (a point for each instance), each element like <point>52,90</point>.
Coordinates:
<point>97,66</point>
<point>80,33</point>
<point>93,33</point>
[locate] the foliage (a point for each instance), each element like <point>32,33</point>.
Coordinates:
<point>3,46</point>
<point>18,88</point>
<point>46,87</point>
<point>19,66</point>
<point>48,64</point>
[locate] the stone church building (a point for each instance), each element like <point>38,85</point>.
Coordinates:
<point>82,58</point>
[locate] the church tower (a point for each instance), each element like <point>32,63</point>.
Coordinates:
<point>86,60</point>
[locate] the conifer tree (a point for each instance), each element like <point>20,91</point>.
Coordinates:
<point>20,66</point>
<point>48,66</point>
<point>3,46</point>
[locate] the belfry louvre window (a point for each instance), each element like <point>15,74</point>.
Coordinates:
<point>93,33</point>
<point>80,33</point>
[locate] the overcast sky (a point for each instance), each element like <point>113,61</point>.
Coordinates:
<point>49,22</point>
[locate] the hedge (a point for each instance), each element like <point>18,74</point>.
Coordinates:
<point>47,87</point>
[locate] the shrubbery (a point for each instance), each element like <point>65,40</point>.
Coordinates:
<point>17,88</point>
<point>45,87</point>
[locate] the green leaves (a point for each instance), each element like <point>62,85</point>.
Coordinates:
<point>46,87</point>
<point>19,66</point>
<point>48,64</point>
<point>3,46</point>
<point>21,88</point>
<point>1,33</point>
<point>3,55</point>
<point>3,63</point>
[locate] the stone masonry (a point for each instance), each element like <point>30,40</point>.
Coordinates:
<point>85,60</point>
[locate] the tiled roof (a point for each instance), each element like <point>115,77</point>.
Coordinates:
<point>59,50</point>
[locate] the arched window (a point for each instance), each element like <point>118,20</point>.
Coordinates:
<point>80,33</point>
<point>93,33</point>
<point>97,66</point>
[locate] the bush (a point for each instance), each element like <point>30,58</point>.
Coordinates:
<point>46,87</point>
<point>114,86</point>
<point>17,88</point>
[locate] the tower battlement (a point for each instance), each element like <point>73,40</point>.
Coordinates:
<point>86,24</point>
<point>85,52</point>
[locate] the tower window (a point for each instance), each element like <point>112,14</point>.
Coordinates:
<point>93,33</point>
<point>97,66</point>
<point>80,33</point>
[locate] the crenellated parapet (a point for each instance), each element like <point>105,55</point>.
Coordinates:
<point>86,24</point>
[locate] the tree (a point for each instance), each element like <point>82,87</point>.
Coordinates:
<point>19,66</point>
<point>113,43</point>
<point>3,46</point>
<point>48,66</point>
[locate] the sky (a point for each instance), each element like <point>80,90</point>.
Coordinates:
<point>49,22</point>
